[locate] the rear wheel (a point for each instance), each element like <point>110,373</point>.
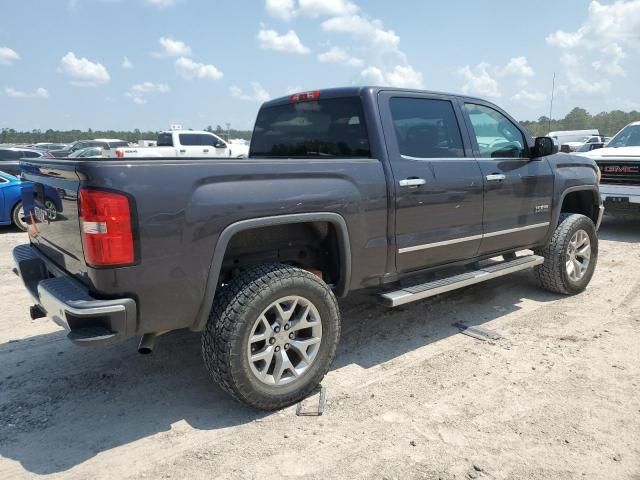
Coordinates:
<point>271,336</point>
<point>18,217</point>
<point>571,256</point>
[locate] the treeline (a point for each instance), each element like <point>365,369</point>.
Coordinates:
<point>9,135</point>
<point>607,123</point>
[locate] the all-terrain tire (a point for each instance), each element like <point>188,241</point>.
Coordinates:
<point>17,218</point>
<point>552,275</point>
<point>236,308</point>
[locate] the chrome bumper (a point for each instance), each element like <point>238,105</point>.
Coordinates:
<point>68,303</point>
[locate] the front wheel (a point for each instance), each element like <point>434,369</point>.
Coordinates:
<point>570,257</point>
<point>272,335</point>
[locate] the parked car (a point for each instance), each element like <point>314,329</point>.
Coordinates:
<point>11,209</point>
<point>619,162</point>
<point>82,144</point>
<point>570,140</point>
<point>592,143</point>
<point>182,143</point>
<point>10,158</point>
<point>51,146</point>
<point>391,190</point>
<point>91,152</point>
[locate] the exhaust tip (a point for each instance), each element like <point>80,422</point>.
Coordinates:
<point>146,343</point>
<point>36,311</point>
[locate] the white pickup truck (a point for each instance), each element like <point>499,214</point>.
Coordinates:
<point>182,143</point>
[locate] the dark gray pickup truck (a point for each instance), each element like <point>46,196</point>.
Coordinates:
<point>405,193</point>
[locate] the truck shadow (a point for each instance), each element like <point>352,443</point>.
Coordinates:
<point>620,230</point>
<point>62,405</point>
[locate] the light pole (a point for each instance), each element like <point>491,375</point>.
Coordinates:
<point>228,130</point>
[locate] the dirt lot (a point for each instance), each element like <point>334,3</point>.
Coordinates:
<point>556,397</point>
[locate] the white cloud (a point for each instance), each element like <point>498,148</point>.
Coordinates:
<point>8,56</point>
<point>618,22</point>
<point>172,48</point>
<point>258,94</point>
<point>479,81</point>
<point>403,76</point>
<point>282,9</point>
<point>138,92</point>
<point>126,63</point>
<point>369,31</point>
<point>517,67</point>
<point>161,3</point>
<point>37,93</point>
<point>564,40</point>
<point>341,56</point>
<point>287,9</point>
<point>287,42</point>
<point>580,85</point>
<point>616,26</point>
<point>191,70</point>
<point>613,55</point>
<point>570,60</point>
<point>330,8</point>
<point>524,96</point>
<point>83,73</point>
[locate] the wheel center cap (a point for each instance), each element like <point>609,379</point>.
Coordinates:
<point>282,337</point>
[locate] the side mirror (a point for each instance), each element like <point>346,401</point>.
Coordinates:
<point>220,144</point>
<point>544,146</point>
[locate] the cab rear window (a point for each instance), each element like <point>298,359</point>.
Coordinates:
<point>331,128</point>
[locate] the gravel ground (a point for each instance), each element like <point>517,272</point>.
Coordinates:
<point>408,397</point>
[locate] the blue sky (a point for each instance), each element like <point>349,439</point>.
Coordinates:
<point>199,63</point>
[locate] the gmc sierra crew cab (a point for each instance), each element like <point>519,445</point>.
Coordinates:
<point>405,193</point>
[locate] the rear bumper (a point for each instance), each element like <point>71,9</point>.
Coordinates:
<point>67,302</point>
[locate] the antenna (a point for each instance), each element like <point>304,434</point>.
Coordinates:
<point>553,88</point>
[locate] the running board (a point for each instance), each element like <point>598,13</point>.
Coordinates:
<point>436,287</point>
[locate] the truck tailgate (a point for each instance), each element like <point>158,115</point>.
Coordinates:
<point>55,233</point>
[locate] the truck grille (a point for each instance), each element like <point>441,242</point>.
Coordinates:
<point>620,172</point>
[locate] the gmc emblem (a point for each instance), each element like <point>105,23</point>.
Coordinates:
<point>620,169</point>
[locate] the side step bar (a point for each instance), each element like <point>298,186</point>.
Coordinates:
<point>436,287</point>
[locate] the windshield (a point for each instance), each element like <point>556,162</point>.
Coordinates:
<point>324,128</point>
<point>629,136</point>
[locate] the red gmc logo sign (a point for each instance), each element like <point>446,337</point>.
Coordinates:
<point>620,169</point>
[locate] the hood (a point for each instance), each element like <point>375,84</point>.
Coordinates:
<point>617,153</point>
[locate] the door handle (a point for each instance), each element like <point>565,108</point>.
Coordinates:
<point>206,150</point>
<point>412,182</point>
<point>495,177</point>
<point>183,151</point>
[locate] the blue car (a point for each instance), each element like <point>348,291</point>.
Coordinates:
<point>11,209</point>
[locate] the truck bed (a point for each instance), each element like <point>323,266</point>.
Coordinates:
<point>180,207</point>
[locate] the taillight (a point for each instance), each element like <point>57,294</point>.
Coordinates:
<point>305,97</point>
<point>105,226</point>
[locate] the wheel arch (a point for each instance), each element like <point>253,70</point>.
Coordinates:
<point>336,220</point>
<point>565,204</point>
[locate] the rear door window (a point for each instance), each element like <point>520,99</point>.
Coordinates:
<point>165,140</point>
<point>426,128</point>
<point>331,128</point>
<point>190,139</point>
